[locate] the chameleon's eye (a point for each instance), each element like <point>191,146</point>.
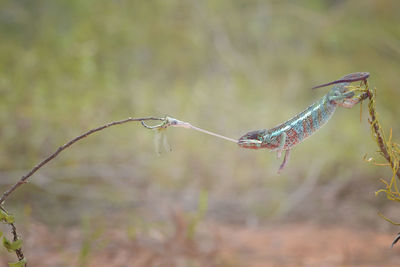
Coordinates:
<point>266,138</point>
<point>335,93</point>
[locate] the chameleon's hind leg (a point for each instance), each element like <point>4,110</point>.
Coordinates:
<point>341,96</point>
<point>349,103</point>
<point>285,160</point>
<point>345,100</point>
<point>281,145</point>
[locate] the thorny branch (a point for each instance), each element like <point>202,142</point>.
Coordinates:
<point>390,151</point>
<point>19,252</point>
<point>379,135</point>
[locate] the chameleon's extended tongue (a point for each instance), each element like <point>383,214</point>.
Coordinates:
<point>177,123</point>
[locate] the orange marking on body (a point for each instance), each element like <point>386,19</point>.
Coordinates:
<point>292,137</point>
<point>319,116</point>
<point>308,126</point>
<point>305,132</point>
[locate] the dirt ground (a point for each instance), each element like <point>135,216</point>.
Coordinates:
<point>307,245</point>
<point>214,245</point>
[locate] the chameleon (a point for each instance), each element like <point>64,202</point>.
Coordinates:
<point>285,136</point>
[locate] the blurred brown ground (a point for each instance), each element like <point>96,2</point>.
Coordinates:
<point>219,245</point>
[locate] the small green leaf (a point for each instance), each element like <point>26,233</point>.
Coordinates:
<point>6,243</point>
<point>12,246</point>
<point>20,263</point>
<point>16,244</point>
<point>2,214</point>
<point>8,218</point>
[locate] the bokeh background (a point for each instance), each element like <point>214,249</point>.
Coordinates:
<point>226,66</point>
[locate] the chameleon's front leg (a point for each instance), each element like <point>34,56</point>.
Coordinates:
<point>349,103</point>
<point>281,145</point>
<point>280,149</point>
<point>285,160</point>
<point>338,96</point>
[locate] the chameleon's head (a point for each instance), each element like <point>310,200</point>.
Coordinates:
<point>258,139</point>
<point>251,140</point>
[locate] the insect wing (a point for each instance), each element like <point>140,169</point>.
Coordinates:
<point>160,140</point>
<point>166,145</point>
<point>157,141</point>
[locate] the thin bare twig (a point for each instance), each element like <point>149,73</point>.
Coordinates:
<point>61,148</point>
<point>23,179</point>
<point>165,122</point>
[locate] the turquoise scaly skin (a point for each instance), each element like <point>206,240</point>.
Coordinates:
<point>292,132</point>
<point>297,128</point>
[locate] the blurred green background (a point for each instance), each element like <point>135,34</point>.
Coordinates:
<point>226,66</point>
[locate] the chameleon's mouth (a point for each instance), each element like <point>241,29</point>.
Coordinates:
<point>249,143</point>
<point>241,142</point>
<point>250,140</point>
